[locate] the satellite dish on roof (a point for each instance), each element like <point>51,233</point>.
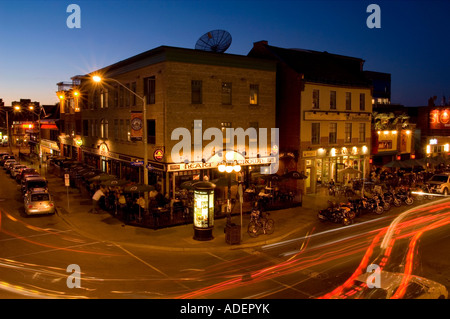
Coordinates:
<point>214,41</point>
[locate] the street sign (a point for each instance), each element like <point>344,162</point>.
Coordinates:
<point>137,163</point>
<point>67,179</point>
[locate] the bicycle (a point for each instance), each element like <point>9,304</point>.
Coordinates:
<point>259,224</point>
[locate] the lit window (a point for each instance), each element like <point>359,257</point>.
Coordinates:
<point>254,92</point>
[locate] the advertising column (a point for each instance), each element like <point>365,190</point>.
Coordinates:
<point>203,210</point>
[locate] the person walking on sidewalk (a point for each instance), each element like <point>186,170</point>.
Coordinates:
<point>96,200</point>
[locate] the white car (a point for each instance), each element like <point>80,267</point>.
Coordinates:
<point>417,288</point>
<point>440,183</point>
<point>16,169</point>
<point>38,201</point>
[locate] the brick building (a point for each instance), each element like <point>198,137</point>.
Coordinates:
<point>324,106</point>
<point>182,87</point>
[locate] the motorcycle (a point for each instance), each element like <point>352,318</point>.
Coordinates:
<point>382,202</point>
<point>372,205</point>
<point>405,196</point>
<point>336,214</point>
<point>426,190</point>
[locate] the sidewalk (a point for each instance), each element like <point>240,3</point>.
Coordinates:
<point>106,227</point>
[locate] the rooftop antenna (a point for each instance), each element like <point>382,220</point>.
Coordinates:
<point>214,41</point>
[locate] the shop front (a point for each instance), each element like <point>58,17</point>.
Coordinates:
<point>123,166</point>
<point>49,148</point>
<point>323,165</point>
<point>179,173</point>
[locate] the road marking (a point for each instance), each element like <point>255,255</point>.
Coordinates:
<point>220,258</point>
<point>150,266</point>
<point>141,260</point>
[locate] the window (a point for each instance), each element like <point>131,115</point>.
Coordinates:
<point>224,126</point>
<point>116,129</point>
<point>94,128</point>
<point>115,96</point>
<point>362,132</point>
<point>315,133</point>
<point>254,94</point>
<point>226,93</point>
<point>95,102</point>
<point>78,127</point>
<point>332,100</point>
<point>315,103</point>
<point>332,135</point>
<point>104,99</point>
<point>196,92</point>
<point>121,131</point>
<point>151,131</point>
<point>127,130</point>
<point>127,95</point>
<point>121,96</point>
<point>133,97</point>
<point>104,128</point>
<point>362,101</point>
<point>85,128</point>
<point>91,124</point>
<point>348,133</point>
<point>149,89</point>
<point>348,101</point>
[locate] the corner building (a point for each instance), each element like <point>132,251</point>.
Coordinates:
<point>324,108</point>
<point>181,86</point>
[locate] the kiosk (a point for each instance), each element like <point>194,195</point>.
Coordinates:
<point>203,210</point>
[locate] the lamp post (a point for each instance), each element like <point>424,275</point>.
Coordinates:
<point>229,166</point>
<point>31,109</point>
<point>7,127</point>
<point>98,79</point>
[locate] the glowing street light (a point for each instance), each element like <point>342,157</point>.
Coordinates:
<point>98,79</point>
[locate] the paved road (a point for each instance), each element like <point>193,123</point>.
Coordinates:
<point>304,260</point>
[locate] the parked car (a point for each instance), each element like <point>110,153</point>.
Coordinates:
<point>8,163</point>
<point>439,183</point>
<point>6,157</point>
<point>38,201</point>
<point>417,287</point>
<point>15,169</point>
<point>31,182</point>
<point>25,172</point>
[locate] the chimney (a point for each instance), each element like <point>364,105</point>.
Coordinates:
<point>259,43</point>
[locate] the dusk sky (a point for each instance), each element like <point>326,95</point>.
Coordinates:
<point>39,50</point>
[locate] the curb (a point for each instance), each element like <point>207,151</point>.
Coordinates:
<point>180,249</point>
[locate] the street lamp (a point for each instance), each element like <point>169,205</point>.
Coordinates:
<point>31,109</point>
<point>229,166</point>
<point>5,109</point>
<point>98,79</point>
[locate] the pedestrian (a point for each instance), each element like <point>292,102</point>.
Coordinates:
<point>96,200</point>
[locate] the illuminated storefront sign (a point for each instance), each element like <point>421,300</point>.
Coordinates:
<point>440,119</point>
<point>158,154</point>
<point>206,165</point>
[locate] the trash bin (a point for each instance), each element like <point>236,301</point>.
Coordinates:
<point>233,234</point>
